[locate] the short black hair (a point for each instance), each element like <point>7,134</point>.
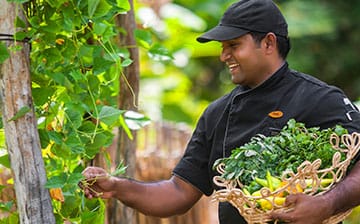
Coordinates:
<point>282,42</point>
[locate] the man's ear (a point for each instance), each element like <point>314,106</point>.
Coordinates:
<point>269,43</point>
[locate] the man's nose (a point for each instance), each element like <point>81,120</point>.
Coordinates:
<point>225,55</point>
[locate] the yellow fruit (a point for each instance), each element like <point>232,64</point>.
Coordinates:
<point>266,204</point>
<point>291,188</point>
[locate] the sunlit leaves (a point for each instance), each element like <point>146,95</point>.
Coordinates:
<point>75,68</point>
<point>110,115</point>
<point>99,9</point>
<point>57,181</point>
<point>4,160</point>
<point>144,38</point>
<point>92,5</point>
<point>22,111</point>
<point>159,52</point>
<point>120,5</point>
<point>18,1</point>
<point>135,120</point>
<point>4,54</point>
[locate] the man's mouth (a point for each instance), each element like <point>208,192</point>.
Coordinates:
<point>232,66</point>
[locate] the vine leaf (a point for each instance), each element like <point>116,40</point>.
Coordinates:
<point>109,115</point>
<point>4,54</point>
<point>120,169</point>
<point>92,7</point>
<point>20,113</point>
<point>5,161</point>
<point>19,1</point>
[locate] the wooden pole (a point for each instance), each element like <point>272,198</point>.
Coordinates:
<point>22,139</point>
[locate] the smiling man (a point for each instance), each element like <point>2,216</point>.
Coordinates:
<point>255,43</point>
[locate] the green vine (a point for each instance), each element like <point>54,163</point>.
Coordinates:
<point>75,69</point>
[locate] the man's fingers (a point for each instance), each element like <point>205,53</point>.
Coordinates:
<point>282,216</point>
<point>291,200</point>
<point>94,173</point>
<point>288,216</point>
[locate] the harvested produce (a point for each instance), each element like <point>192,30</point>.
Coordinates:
<point>258,176</point>
<point>294,144</point>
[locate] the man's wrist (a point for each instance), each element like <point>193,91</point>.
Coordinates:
<point>329,204</point>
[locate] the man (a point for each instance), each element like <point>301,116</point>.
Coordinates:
<point>255,44</point>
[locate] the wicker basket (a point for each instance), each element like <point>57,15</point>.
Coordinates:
<point>308,177</point>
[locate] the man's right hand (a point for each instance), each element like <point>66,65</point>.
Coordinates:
<point>97,183</point>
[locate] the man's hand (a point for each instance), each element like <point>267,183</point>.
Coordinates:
<point>305,209</point>
<point>97,183</point>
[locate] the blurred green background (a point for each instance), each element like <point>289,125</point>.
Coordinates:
<point>325,36</point>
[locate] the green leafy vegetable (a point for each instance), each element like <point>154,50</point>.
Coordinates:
<point>286,151</point>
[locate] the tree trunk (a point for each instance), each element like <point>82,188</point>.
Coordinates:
<point>128,99</point>
<point>22,139</point>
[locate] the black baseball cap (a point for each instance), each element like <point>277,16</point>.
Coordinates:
<point>245,16</point>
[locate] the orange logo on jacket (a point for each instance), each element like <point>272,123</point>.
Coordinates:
<point>276,114</point>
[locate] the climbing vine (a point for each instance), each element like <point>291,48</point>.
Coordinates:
<point>75,68</point>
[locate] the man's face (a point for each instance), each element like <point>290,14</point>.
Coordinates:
<point>246,60</point>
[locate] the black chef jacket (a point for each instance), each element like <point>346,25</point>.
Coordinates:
<point>231,121</point>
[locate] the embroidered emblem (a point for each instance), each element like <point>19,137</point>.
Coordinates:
<point>351,109</point>
<point>276,114</point>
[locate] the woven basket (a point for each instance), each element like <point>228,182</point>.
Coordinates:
<point>308,176</point>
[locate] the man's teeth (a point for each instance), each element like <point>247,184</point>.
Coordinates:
<point>233,66</point>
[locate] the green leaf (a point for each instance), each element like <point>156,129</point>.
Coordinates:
<point>5,161</point>
<point>2,137</point>
<point>6,206</point>
<point>126,128</point>
<point>121,5</point>
<point>86,54</point>
<point>75,178</point>
<point>55,3</point>
<point>12,218</point>
<point>74,144</point>
<point>102,9</point>
<point>4,54</point>
<point>87,127</point>
<point>42,95</point>
<point>52,56</point>
<point>57,181</point>
<point>144,38</point>
<point>110,115</point>
<point>92,5</point>
<point>56,137</point>
<point>94,213</point>
<point>126,62</point>
<point>21,35</point>
<point>44,138</point>
<point>135,120</point>
<point>19,1</point>
<point>20,23</point>
<point>70,208</point>
<point>120,169</point>
<point>74,117</point>
<point>160,53</point>
<point>20,113</point>
<point>100,28</point>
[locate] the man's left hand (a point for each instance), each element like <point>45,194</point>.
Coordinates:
<point>305,209</point>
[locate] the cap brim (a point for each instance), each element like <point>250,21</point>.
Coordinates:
<point>222,33</point>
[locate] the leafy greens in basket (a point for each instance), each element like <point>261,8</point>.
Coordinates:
<point>286,151</point>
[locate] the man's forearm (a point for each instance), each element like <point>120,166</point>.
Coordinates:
<point>162,199</point>
<point>346,194</point>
